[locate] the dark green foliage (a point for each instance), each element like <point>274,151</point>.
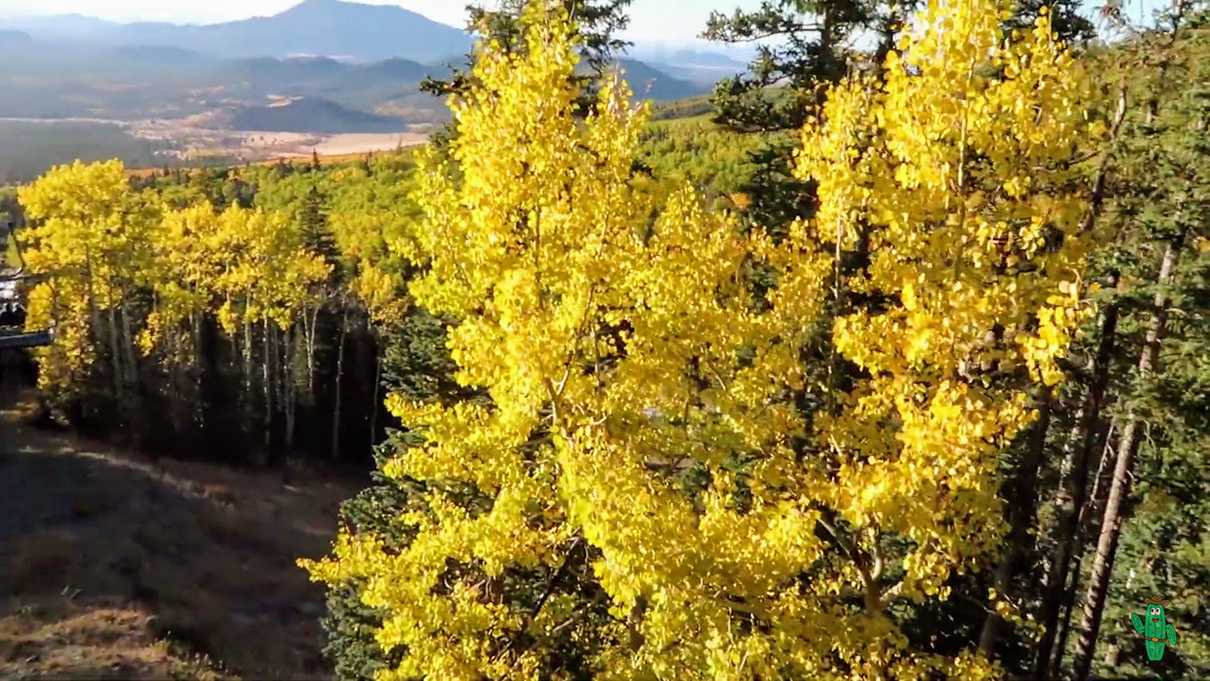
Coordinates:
<point>1157,193</point>
<point>28,149</point>
<point>416,363</point>
<point>350,624</point>
<point>598,22</point>
<point>716,161</point>
<point>416,366</point>
<point>790,197</point>
<point>1068,22</point>
<point>785,83</point>
<point>1164,195</point>
<point>806,44</point>
<point>317,234</point>
<point>803,44</point>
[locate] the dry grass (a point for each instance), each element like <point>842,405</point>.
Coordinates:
<point>39,562</point>
<point>62,639</point>
<point>124,560</point>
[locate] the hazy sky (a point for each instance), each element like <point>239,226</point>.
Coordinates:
<point>652,21</point>
<point>674,21</point>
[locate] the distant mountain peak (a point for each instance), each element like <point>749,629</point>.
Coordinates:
<point>346,6</point>
<point>317,4</point>
<point>346,30</point>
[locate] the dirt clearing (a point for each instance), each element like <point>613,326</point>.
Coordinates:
<point>114,566</point>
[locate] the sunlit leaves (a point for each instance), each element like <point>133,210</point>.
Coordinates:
<point>650,481</point>
<point>90,241</point>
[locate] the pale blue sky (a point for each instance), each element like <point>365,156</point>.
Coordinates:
<point>652,21</point>
<point>674,21</point>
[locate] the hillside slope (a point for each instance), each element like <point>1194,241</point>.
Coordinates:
<point>118,567</point>
<point>312,115</point>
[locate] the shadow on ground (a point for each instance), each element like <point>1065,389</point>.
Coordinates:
<point>112,566</point>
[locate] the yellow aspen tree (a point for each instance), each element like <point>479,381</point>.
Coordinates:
<point>958,176</point>
<point>641,493</point>
<point>186,264</point>
<point>186,261</point>
<point>372,218</point>
<point>266,274</point>
<point>267,282</point>
<point>91,242</point>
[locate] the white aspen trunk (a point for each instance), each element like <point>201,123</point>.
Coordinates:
<point>132,366</point>
<point>248,396</point>
<point>291,388</point>
<point>340,371</point>
<point>197,364</point>
<point>116,360</point>
<point>311,333</point>
<point>268,387</point>
<point>374,406</point>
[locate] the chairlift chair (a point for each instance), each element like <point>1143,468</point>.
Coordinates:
<point>13,335</point>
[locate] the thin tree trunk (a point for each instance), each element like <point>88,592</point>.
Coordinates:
<point>1022,500</point>
<point>340,371</point>
<point>94,312</point>
<point>268,387</point>
<point>1071,498</point>
<point>374,405</point>
<point>291,388</point>
<point>136,416</point>
<point>280,369</point>
<point>248,410</point>
<point>248,360</point>
<point>116,361</point>
<point>197,370</point>
<point>1119,490</point>
<point>132,366</point>
<point>1092,509</point>
<point>311,334</point>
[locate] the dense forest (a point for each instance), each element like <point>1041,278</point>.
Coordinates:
<point>28,148</point>
<point>881,364</point>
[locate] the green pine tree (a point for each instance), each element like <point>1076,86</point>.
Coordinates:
<point>599,22</point>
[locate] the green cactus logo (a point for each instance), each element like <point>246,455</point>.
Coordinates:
<point>1157,633</point>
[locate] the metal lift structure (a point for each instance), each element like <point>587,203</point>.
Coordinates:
<point>13,281</point>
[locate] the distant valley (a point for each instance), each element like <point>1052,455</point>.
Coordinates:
<point>320,69</point>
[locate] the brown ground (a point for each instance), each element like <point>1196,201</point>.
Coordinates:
<point>112,566</point>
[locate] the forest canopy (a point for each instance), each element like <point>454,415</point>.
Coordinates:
<point>902,374</point>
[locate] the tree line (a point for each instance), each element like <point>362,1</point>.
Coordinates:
<point>204,311</point>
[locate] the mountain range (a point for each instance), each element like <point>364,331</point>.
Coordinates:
<point>333,28</point>
<point>14,38</point>
<point>314,27</point>
<point>74,86</point>
<point>367,60</point>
